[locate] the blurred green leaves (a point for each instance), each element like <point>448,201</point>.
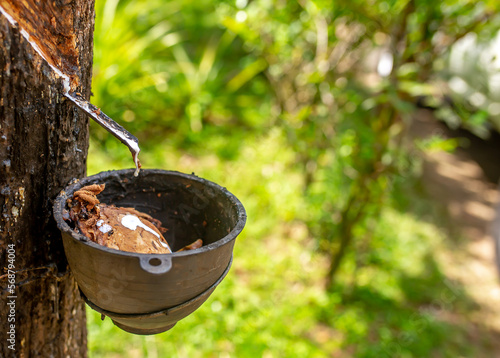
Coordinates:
<point>288,105</point>
<point>164,70</point>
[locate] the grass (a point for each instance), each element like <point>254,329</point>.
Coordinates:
<point>392,300</point>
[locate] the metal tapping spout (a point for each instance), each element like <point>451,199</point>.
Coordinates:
<point>110,125</point>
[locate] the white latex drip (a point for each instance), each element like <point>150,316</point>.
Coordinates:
<point>104,228</point>
<point>8,17</point>
<point>136,157</point>
<point>131,222</point>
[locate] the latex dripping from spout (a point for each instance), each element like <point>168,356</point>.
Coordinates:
<point>110,125</point>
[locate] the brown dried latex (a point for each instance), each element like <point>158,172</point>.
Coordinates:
<point>104,224</point>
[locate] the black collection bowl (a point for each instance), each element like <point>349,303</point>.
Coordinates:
<point>149,293</point>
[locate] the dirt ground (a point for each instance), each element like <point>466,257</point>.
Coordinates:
<point>465,184</point>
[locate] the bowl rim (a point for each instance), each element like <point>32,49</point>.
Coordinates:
<point>60,202</point>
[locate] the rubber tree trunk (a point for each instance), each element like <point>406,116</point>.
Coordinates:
<point>43,146</point>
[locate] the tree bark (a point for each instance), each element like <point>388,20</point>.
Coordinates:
<point>43,146</point>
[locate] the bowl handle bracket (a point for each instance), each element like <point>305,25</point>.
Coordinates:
<point>156,264</point>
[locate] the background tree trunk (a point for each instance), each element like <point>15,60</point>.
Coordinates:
<point>43,146</point>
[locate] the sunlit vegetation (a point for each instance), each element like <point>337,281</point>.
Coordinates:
<point>299,108</point>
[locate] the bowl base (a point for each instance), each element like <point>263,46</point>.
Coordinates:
<point>160,321</point>
<point>142,331</point>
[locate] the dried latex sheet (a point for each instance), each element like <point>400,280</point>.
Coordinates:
<point>119,228</point>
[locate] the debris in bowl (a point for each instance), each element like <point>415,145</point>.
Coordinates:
<point>119,228</point>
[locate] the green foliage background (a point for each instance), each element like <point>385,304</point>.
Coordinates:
<point>279,102</point>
